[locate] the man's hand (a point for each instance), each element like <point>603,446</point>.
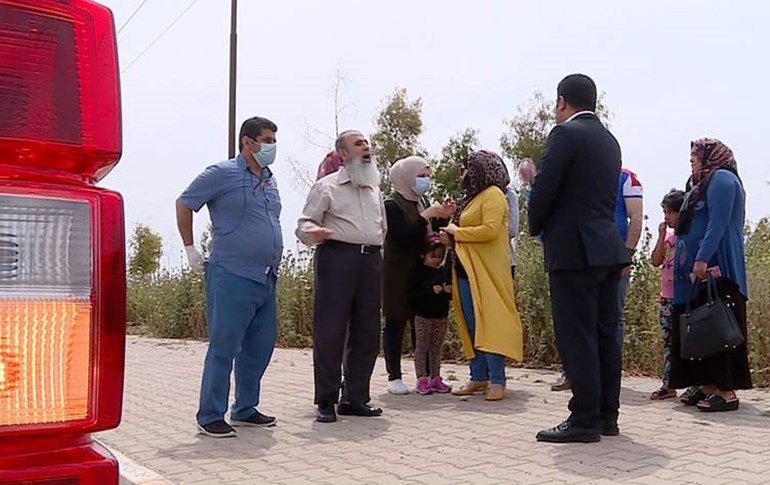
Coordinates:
<point>699,270</point>
<point>445,239</point>
<point>194,258</point>
<point>319,234</point>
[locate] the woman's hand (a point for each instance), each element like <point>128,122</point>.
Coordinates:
<point>449,207</point>
<point>662,228</point>
<point>445,239</point>
<point>450,229</point>
<point>700,270</point>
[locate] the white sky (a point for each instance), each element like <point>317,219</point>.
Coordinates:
<point>671,71</point>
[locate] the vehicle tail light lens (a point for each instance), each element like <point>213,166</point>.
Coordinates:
<point>59,90</point>
<point>45,310</point>
<point>62,309</point>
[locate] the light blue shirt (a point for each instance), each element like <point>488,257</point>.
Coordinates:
<point>245,211</point>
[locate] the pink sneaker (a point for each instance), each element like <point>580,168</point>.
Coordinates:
<point>438,385</point>
<point>423,386</point>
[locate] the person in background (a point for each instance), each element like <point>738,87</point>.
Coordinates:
<point>513,224</point>
<point>663,258</point>
<point>240,276</point>
<point>709,241</point>
<point>330,164</point>
<point>429,295</point>
<point>410,219</point>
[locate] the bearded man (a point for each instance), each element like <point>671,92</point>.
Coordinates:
<point>344,216</point>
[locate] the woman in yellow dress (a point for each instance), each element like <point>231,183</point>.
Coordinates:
<point>488,322</point>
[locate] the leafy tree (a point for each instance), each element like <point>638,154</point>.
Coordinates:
<point>446,173</point>
<point>146,248</point>
<point>526,133</point>
<point>397,133</point>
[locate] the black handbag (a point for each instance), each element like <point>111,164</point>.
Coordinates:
<point>709,329</point>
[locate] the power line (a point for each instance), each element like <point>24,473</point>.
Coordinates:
<point>158,37</point>
<point>130,17</point>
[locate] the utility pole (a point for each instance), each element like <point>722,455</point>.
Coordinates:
<point>233,62</point>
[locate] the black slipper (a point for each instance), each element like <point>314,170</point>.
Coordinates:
<point>716,403</point>
<point>690,398</point>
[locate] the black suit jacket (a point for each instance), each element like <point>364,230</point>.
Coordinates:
<point>573,197</point>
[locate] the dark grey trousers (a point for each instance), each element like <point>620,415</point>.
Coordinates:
<point>348,294</point>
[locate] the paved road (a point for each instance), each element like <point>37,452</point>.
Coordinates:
<point>425,439</point>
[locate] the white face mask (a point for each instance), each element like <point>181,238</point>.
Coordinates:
<point>266,154</point>
<point>422,185</point>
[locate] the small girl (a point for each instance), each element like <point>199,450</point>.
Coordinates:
<point>663,257</point>
<point>429,295</point>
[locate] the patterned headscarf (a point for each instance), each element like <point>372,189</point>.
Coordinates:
<point>484,169</point>
<point>330,164</point>
<point>714,155</point>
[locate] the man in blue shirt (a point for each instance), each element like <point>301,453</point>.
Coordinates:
<point>240,275</point>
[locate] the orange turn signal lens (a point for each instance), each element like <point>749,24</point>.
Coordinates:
<point>45,352</point>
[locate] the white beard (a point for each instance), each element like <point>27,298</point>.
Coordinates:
<point>363,174</point>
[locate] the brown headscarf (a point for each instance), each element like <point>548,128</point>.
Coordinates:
<point>485,169</point>
<point>714,155</point>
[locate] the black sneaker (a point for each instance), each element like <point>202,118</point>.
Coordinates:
<point>217,429</point>
<point>256,420</point>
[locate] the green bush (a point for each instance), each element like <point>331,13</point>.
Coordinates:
<point>170,304</point>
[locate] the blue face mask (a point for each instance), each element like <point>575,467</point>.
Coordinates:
<point>422,185</point>
<point>266,154</point>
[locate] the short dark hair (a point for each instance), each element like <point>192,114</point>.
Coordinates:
<point>579,91</point>
<point>673,200</point>
<point>339,143</point>
<point>432,243</point>
<point>253,127</point>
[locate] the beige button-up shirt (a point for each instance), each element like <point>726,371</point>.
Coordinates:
<point>355,214</point>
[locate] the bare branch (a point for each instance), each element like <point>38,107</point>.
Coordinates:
<point>301,176</point>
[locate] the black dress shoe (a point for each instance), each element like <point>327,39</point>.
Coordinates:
<point>566,433</point>
<point>610,428</point>
<point>325,414</point>
<point>348,409</point>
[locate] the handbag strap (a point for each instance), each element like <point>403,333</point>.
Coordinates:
<point>711,291</point>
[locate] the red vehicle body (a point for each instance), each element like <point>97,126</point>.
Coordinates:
<point>62,242</point>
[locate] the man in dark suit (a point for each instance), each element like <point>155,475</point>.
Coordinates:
<point>573,206</point>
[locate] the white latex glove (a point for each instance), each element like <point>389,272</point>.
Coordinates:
<point>194,258</point>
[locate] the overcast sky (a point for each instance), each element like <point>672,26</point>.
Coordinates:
<point>671,71</point>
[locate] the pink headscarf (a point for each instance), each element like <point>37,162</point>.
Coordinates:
<point>403,173</point>
<point>330,164</point>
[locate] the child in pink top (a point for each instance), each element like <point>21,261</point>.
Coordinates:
<point>663,257</point>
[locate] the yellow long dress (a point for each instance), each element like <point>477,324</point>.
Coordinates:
<point>482,246</point>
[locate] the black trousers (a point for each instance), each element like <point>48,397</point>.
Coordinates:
<point>348,287</point>
<point>585,320</point>
<point>393,348</point>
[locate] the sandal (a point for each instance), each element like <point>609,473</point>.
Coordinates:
<point>663,393</point>
<point>692,397</point>
<point>716,403</point>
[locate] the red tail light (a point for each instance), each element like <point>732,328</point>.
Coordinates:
<point>59,91</point>
<point>62,242</point>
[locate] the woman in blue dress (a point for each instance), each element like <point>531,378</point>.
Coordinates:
<point>710,241</point>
